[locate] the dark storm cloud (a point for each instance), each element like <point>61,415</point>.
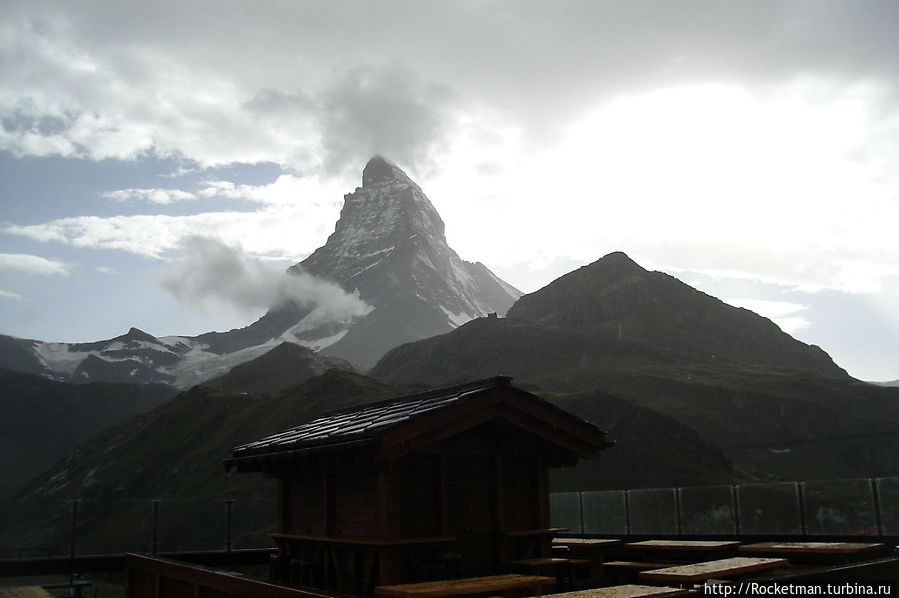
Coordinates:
<point>367,111</point>
<point>383,111</point>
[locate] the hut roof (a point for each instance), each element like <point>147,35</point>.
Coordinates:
<point>397,426</point>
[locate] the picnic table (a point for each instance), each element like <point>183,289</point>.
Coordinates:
<point>843,548</point>
<point>623,591</point>
<point>692,545</point>
<point>683,550</point>
<point>465,586</point>
<point>722,568</point>
<point>815,552</point>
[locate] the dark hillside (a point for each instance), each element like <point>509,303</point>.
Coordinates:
<point>284,366</point>
<point>42,420</point>
<point>651,450</point>
<point>615,296</point>
<point>174,454</point>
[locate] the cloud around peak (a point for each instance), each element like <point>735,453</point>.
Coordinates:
<point>208,268</point>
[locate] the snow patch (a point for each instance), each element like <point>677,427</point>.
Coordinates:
<point>456,319</point>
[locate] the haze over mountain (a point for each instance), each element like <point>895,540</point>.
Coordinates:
<point>388,253</point>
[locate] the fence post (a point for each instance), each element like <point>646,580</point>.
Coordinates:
<point>677,509</point>
<point>74,542</point>
<point>228,541</point>
<point>580,500</point>
<point>155,545</point>
<point>735,497</point>
<point>800,496</point>
<point>627,514</point>
<point>875,502</point>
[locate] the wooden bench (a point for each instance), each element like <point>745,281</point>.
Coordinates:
<point>465,586</point>
<point>723,568</point>
<point>638,565</point>
<point>628,571</point>
<point>585,552</point>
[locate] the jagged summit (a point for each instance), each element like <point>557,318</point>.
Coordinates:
<point>379,170</point>
<point>390,245</point>
<point>387,214</point>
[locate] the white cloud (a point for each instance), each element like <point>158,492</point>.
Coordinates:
<point>782,313</point>
<point>706,177</point>
<point>209,268</point>
<point>297,215</point>
<point>34,264</point>
<point>9,295</point>
<point>156,196</point>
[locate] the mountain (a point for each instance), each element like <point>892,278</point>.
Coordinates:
<point>284,366</point>
<point>173,454</point>
<point>42,420</point>
<point>388,248</point>
<point>135,357</point>
<point>615,296</point>
<point>777,408</point>
<point>894,383</point>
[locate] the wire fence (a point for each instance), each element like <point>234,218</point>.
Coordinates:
<point>855,507</point>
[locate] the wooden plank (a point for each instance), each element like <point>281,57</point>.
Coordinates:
<point>683,545</point>
<point>469,585</point>
<point>364,541</point>
<point>638,565</point>
<point>586,542</point>
<point>537,562</point>
<point>712,569</point>
<point>812,547</point>
<point>624,591</point>
<point>24,592</point>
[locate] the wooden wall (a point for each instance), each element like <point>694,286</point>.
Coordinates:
<point>354,505</point>
<point>304,504</point>
<point>472,486</point>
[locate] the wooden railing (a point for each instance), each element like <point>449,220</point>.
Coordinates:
<point>154,577</point>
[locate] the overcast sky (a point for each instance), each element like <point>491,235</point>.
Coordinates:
<point>749,148</point>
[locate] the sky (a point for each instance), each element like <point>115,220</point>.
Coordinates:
<point>750,149</point>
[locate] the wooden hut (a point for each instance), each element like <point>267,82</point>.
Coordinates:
<point>372,495</point>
